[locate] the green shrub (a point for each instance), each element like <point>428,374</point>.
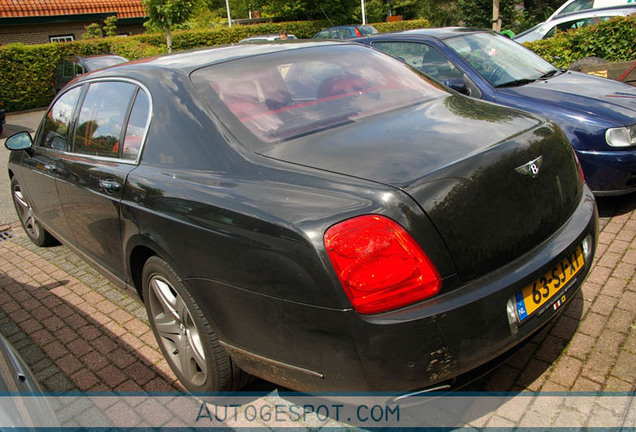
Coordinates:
<point>612,40</point>
<point>26,71</point>
<point>386,27</point>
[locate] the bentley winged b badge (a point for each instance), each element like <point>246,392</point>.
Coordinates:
<point>531,168</point>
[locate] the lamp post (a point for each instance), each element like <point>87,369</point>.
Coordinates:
<point>364,14</point>
<point>229,18</point>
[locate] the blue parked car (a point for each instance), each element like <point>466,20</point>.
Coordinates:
<point>597,115</point>
<point>345,32</point>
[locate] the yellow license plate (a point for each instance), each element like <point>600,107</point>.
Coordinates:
<point>539,292</point>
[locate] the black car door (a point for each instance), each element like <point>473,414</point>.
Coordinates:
<point>42,164</point>
<point>105,148</point>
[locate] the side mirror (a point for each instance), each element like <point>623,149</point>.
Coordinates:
<point>19,141</point>
<point>458,85</point>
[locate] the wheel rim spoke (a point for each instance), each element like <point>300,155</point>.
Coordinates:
<point>193,366</point>
<point>20,199</point>
<point>25,213</point>
<point>166,298</point>
<point>178,333</point>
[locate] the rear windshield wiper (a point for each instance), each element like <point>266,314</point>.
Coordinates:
<point>516,83</point>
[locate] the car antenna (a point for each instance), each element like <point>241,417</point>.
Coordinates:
<point>323,12</point>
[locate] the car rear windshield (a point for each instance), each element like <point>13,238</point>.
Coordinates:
<point>102,62</point>
<point>367,30</point>
<point>296,92</point>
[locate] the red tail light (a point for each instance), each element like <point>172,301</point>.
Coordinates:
<point>358,34</point>
<point>380,266</point>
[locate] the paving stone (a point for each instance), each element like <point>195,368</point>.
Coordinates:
<point>604,305</point>
<point>566,371</point>
<point>69,364</point>
<point>84,379</point>
<point>625,367</point>
<point>593,324</point>
<point>111,376</point>
<point>140,373</point>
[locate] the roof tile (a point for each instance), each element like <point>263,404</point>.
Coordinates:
<point>32,8</point>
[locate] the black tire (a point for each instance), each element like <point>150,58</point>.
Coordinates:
<point>184,334</point>
<point>34,230</point>
<point>585,61</point>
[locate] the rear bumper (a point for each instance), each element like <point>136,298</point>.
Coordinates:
<point>320,349</point>
<point>609,173</point>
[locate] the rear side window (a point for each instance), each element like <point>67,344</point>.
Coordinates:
<point>57,122</point>
<point>102,117</point>
<point>136,126</point>
<point>68,69</point>
<point>79,69</point>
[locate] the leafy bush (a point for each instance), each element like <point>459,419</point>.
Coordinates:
<point>26,70</point>
<point>612,40</point>
<point>386,27</point>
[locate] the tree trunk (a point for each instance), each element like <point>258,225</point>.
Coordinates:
<point>168,38</point>
<point>496,19</point>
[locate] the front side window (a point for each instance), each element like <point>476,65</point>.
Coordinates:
<point>57,123</point>
<point>284,95</point>
<point>102,117</point>
<point>422,57</point>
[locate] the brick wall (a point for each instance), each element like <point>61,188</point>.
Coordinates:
<point>39,33</point>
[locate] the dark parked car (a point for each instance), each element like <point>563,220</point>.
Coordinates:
<point>597,115</point>
<point>71,67</point>
<point>316,214</point>
<point>3,117</point>
<point>266,38</point>
<point>345,32</point>
<point>18,380</point>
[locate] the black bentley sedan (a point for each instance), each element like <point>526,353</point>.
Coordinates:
<point>316,214</point>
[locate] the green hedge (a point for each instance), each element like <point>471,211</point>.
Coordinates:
<point>26,71</point>
<point>613,40</point>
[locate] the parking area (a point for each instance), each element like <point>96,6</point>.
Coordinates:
<point>79,333</point>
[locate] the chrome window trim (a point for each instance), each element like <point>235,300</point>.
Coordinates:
<point>106,158</point>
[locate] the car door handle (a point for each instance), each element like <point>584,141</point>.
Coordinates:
<point>110,186</point>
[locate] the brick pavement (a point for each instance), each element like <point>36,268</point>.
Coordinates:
<point>78,332</point>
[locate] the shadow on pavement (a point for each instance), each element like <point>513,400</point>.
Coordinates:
<point>614,206</point>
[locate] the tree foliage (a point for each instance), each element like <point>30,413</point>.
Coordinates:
<point>163,14</point>
<point>93,31</point>
<point>110,26</point>
<point>478,13</point>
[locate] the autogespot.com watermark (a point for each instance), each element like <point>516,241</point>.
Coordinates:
<point>279,411</point>
<point>282,413</point>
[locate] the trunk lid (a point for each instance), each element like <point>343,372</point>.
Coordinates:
<point>457,157</point>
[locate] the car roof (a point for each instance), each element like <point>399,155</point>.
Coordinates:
<point>188,61</point>
<point>439,33</point>
<point>591,13</point>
